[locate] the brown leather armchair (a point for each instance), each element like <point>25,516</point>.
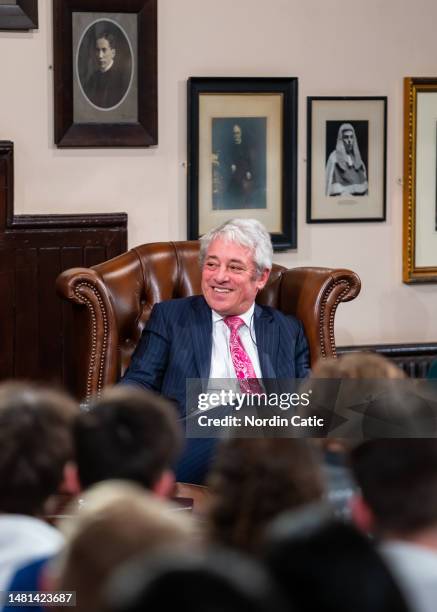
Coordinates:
<point>113,300</point>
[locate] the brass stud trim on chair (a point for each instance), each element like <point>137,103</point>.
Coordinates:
<point>338,300</point>
<point>93,358</point>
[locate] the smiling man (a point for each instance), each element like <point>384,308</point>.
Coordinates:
<point>221,334</point>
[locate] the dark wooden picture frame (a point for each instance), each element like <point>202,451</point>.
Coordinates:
<point>19,15</point>
<point>344,188</point>
<point>261,115</point>
<point>106,129</point>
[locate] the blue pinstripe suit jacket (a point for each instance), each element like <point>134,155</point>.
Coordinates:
<point>176,344</point>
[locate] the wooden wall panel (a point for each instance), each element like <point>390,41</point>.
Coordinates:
<point>7,315</point>
<point>93,256</point>
<point>26,314</point>
<point>414,359</point>
<point>35,324</point>
<point>50,315</point>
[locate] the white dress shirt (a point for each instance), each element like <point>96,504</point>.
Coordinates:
<point>221,360</point>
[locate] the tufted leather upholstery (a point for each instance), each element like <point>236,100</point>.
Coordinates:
<point>113,300</point>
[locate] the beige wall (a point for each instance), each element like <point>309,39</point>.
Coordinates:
<point>335,47</point>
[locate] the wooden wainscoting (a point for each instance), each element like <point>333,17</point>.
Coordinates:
<point>34,249</point>
<point>414,359</point>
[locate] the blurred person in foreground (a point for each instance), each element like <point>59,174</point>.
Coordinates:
<point>117,521</point>
<point>397,503</point>
<point>215,580</point>
<point>348,367</point>
<point>324,564</point>
<point>36,460</point>
<point>127,433</point>
<point>130,434</point>
<point>254,480</point>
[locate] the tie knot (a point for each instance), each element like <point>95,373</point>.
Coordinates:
<point>234,323</point>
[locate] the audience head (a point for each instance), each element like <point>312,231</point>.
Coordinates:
<point>130,434</point>
<point>36,444</point>
<point>252,481</point>
<point>219,580</point>
<point>357,365</point>
<point>322,563</point>
<point>350,367</point>
<point>398,482</point>
<point>117,520</point>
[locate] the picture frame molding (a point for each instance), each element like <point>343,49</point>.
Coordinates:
<point>143,132</point>
<point>411,271</point>
<point>19,16</point>
<point>309,179</point>
<point>288,88</point>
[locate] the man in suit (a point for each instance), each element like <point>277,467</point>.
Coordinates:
<point>221,334</point>
<point>109,82</point>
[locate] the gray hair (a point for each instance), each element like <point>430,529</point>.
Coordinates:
<point>245,232</point>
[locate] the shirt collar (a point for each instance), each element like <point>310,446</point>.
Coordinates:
<point>246,316</point>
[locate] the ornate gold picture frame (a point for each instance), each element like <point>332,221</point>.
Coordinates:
<point>420,180</point>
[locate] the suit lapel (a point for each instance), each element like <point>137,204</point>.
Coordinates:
<point>267,341</point>
<point>266,331</point>
<point>201,324</point>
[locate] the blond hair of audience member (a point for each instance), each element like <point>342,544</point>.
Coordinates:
<point>357,365</point>
<point>117,521</point>
<point>254,480</point>
<point>353,366</point>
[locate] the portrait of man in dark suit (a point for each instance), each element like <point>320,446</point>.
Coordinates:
<point>220,334</point>
<point>239,162</point>
<point>105,65</point>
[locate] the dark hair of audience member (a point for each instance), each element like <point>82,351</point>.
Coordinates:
<point>398,482</point>
<point>128,433</point>
<point>322,563</point>
<point>36,442</point>
<point>221,580</point>
<point>252,481</point>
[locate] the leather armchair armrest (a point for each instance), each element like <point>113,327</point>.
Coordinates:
<point>313,295</point>
<point>95,340</point>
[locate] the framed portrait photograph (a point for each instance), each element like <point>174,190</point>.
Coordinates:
<point>420,180</point>
<point>242,154</point>
<point>18,14</point>
<point>346,159</point>
<point>105,73</point>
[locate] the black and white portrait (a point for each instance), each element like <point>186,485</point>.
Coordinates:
<point>346,158</point>
<point>104,64</point>
<point>239,162</point>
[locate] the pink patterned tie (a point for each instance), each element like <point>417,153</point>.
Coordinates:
<point>242,364</point>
